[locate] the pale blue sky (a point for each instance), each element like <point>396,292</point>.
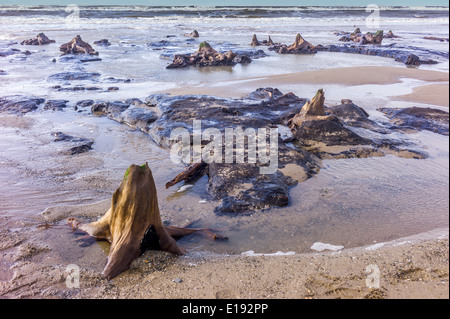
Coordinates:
<point>233,2</point>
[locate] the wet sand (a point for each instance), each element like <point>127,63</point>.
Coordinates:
<point>435,94</point>
<point>350,76</point>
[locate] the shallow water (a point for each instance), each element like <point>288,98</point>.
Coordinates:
<point>351,202</point>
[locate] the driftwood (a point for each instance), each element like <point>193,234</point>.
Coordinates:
<point>133,223</point>
<point>189,172</point>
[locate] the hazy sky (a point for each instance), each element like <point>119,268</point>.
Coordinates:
<point>233,2</point>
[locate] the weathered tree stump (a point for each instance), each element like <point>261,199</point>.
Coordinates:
<point>133,223</point>
<point>77,46</point>
<point>134,210</point>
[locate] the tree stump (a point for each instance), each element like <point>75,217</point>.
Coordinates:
<point>134,212</point>
<point>77,46</point>
<point>133,223</point>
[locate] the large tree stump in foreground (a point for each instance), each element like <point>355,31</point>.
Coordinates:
<point>133,223</point>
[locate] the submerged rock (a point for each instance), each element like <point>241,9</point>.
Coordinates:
<point>102,43</point>
<point>355,116</point>
<point>402,55</point>
<point>40,39</point>
<point>419,118</point>
<point>390,35</point>
<point>79,149</point>
<point>110,109</point>
<point>437,39</point>
<point>300,46</point>
<point>193,34</point>
<point>19,104</point>
<point>75,76</point>
<point>77,46</point>
<point>207,56</point>
<point>55,105</point>
<point>84,144</point>
<point>85,103</point>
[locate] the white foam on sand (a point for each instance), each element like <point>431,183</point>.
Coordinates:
<point>278,253</point>
<point>375,246</point>
<point>318,246</point>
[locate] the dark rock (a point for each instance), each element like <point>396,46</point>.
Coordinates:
<point>329,131</point>
<point>411,59</point>
<point>19,104</point>
<point>159,44</point>
<point>113,88</point>
<point>77,46</point>
<point>76,88</point>
<point>75,76</point>
<point>82,58</point>
<point>265,94</point>
<point>355,116</point>
<point>138,117</point>
<point>346,101</point>
<point>110,109</point>
<point>90,59</point>
<point>193,34</point>
<point>134,101</point>
<point>102,43</point>
<point>3,72</point>
<point>252,54</point>
<point>114,80</point>
<point>9,52</point>
<point>437,39</point>
<point>62,137</point>
<point>41,39</point>
<point>403,55</point>
<point>79,149</point>
<point>391,35</point>
<point>85,103</point>
<point>368,38</point>
<point>55,105</point>
<point>429,119</point>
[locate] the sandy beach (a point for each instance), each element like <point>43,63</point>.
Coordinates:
<point>415,267</point>
<point>435,94</point>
